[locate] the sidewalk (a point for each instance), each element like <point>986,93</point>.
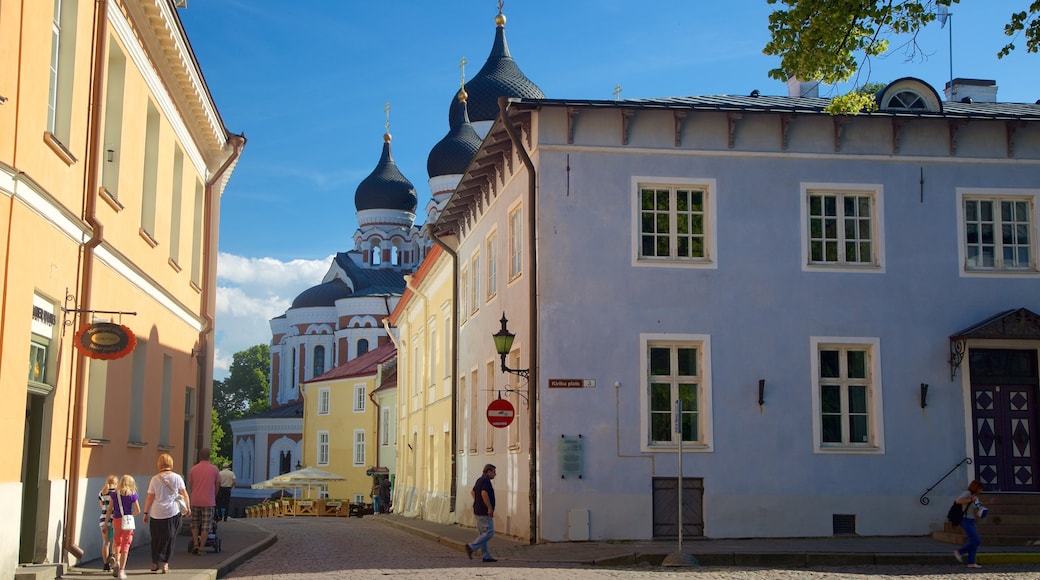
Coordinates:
<point>242,538</point>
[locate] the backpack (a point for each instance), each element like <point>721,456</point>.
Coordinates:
<point>955,514</point>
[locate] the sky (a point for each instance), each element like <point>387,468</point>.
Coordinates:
<point>307,83</point>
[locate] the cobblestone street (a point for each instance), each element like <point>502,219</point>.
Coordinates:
<point>318,548</point>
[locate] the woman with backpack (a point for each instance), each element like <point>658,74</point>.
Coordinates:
<point>969,502</point>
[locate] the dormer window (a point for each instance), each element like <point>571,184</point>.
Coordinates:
<point>909,95</point>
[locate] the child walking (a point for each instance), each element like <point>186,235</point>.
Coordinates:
<point>123,507</point>
<point>108,553</point>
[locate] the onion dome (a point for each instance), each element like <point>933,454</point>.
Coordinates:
<point>499,77</point>
<point>386,187</point>
<point>452,154</point>
<point>322,295</point>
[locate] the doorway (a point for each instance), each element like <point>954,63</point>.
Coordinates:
<point>1004,386</point>
<point>666,507</point>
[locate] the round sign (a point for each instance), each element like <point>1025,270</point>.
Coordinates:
<point>105,340</point>
<point>500,413</point>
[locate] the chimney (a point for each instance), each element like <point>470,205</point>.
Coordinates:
<point>978,90</point>
<point>799,88</point>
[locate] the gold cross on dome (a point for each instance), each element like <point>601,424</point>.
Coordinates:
<point>617,92</point>
<point>386,109</point>
<point>462,66</point>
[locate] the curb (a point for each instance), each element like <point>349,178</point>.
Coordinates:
<point>246,553</point>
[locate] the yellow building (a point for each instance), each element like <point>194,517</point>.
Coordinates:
<point>341,422</point>
<point>425,459</point>
<point>113,157</point>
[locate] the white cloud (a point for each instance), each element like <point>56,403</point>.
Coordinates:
<point>252,291</point>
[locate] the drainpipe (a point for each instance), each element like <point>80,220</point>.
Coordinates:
<point>209,291</point>
<point>532,230</point>
<point>90,180</point>
<point>454,367</point>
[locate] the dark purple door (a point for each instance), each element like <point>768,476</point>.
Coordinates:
<point>1004,418</point>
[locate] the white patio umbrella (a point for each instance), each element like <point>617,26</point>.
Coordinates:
<point>305,478</point>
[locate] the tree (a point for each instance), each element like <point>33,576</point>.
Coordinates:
<point>826,40</point>
<point>244,392</point>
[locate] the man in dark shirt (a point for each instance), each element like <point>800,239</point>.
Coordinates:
<point>484,510</point>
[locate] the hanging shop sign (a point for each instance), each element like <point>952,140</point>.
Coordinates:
<point>105,340</point>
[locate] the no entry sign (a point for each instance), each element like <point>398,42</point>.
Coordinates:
<point>500,413</point>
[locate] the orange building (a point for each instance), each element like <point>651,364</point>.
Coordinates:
<point>113,158</point>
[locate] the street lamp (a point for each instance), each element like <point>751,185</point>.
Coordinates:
<point>504,342</point>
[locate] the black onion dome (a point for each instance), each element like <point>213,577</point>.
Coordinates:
<point>386,187</point>
<point>499,77</point>
<point>452,154</point>
<point>322,295</point>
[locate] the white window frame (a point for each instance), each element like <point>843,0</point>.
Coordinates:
<point>323,447</point>
<point>384,427</point>
<point>709,188</point>
<point>875,191</point>
<point>359,397</point>
<point>359,447</point>
<point>997,195</point>
<point>324,398</point>
<point>464,293</point>
<point>875,420</point>
<point>492,264</point>
<point>516,242</point>
<point>702,342</point>
<point>474,270</point>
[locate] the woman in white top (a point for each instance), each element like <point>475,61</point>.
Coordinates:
<point>162,513</point>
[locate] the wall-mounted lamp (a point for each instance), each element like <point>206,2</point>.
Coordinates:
<point>761,392</point>
<point>110,154</point>
<point>924,395</point>
<point>504,342</point>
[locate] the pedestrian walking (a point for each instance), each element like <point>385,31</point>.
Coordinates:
<point>484,510</point>
<point>203,480</point>
<point>162,512</point>
<point>384,495</point>
<point>227,481</point>
<point>108,551</point>
<point>972,506</point>
<point>123,507</point>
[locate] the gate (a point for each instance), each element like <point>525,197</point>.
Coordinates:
<point>666,503</point>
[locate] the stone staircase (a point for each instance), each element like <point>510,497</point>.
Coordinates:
<point>1013,520</point>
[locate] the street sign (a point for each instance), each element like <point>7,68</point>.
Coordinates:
<point>500,413</point>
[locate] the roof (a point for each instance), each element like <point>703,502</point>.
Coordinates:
<point>364,365</point>
<point>325,294</point>
<point>386,187</point>
<point>499,77</point>
<point>290,411</point>
<point>452,154</point>
<point>371,281</point>
<point>796,105</point>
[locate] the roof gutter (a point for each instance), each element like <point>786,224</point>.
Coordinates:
<point>532,230</point>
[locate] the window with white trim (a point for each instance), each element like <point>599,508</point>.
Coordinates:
<point>323,448</point>
<point>359,447</point>
<point>464,293</point>
<point>492,265</point>
<point>474,269</point>
<point>384,427</point>
<point>62,70</point>
<point>847,410</point>
<point>676,391</point>
<point>999,233</point>
<point>842,227</point>
<point>673,224</point>
<point>323,400</point>
<point>359,398</point>
<point>516,243</point>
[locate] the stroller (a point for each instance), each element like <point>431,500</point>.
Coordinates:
<point>212,539</point>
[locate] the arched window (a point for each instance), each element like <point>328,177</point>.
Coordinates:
<point>362,346</point>
<point>319,360</point>
<point>907,100</point>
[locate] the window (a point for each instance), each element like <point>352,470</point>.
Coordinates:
<point>113,143</point>
<point>841,227</point>
<point>846,395</point>
<point>907,100</point>
<point>359,446</point>
<point>319,361</point>
<point>677,391</point>
<point>150,173</point>
<point>492,265</point>
<point>323,448</point>
<point>323,400</point>
<point>37,363</point>
<point>196,235</point>
<point>999,233</point>
<point>175,207</point>
<point>474,299</point>
<point>359,398</point>
<point>516,246</point>
<point>464,293</point>
<point>362,346</point>
<point>674,223</point>
<point>432,378</point>
<point>62,71</point>
<point>384,428</point>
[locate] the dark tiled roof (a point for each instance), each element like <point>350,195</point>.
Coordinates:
<point>322,295</point>
<point>499,77</point>
<point>386,187</point>
<point>800,105</point>
<point>290,411</point>
<point>452,154</point>
<point>371,281</point>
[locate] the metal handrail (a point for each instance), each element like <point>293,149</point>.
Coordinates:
<point>924,497</point>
